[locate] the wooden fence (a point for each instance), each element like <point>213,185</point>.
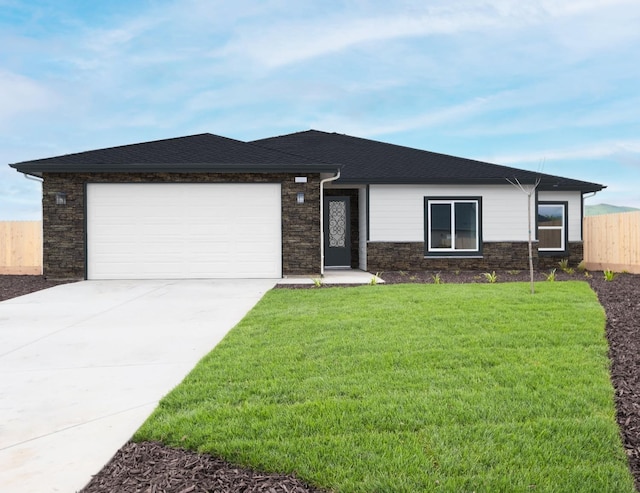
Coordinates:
<point>21,247</point>
<point>612,241</point>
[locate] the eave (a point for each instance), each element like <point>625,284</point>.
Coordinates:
<point>584,187</point>
<point>37,169</point>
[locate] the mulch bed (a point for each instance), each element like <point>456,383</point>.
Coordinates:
<point>150,467</point>
<point>621,301</point>
<point>153,468</point>
<point>14,286</point>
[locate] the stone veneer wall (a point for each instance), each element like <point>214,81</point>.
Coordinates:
<point>409,256</point>
<point>575,256</point>
<point>64,225</point>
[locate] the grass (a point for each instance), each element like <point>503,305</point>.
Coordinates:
<point>406,388</point>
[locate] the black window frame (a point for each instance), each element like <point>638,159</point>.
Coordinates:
<point>440,252</point>
<point>565,228</point>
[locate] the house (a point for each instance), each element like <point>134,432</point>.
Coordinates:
<point>206,206</point>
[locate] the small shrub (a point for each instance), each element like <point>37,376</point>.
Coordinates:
<point>564,266</point>
<point>513,272</point>
<point>582,267</point>
<point>402,273</point>
<point>437,279</point>
<point>413,278</point>
<point>317,282</point>
<point>551,276</point>
<point>491,277</point>
<point>374,279</point>
<point>457,272</point>
<point>609,275</point>
<point>588,275</point>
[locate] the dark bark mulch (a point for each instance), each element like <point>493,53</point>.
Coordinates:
<point>621,301</point>
<point>151,467</point>
<point>472,276</point>
<point>154,468</point>
<point>14,286</point>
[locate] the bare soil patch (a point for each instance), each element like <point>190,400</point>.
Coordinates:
<point>152,467</point>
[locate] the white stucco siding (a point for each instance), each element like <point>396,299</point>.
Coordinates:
<point>396,212</point>
<point>574,214</point>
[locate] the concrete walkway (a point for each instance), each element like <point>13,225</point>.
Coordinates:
<point>335,277</point>
<point>82,366</point>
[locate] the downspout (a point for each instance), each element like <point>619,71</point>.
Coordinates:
<point>322,182</point>
<point>584,196</point>
<point>587,196</point>
<point>34,178</point>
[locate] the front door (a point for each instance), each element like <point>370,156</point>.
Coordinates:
<point>337,232</point>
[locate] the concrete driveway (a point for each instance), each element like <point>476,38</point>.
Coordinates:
<point>82,365</point>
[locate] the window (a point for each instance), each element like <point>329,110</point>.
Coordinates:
<point>452,226</point>
<point>552,226</point>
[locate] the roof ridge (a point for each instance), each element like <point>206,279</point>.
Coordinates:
<point>293,154</point>
<point>135,144</point>
<point>472,160</point>
<point>368,160</point>
<point>363,160</point>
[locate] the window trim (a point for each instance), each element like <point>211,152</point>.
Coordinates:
<point>564,228</point>
<point>441,252</point>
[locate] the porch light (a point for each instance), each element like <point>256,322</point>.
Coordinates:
<point>61,198</point>
<point>300,198</point>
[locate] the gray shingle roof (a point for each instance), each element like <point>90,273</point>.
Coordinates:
<point>361,161</point>
<point>203,152</point>
<point>369,161</point>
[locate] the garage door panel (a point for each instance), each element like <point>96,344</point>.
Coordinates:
<point>156,231</point>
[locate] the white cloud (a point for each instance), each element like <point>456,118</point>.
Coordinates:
<point>291,40</point>
<point>616,148</point>
<point>20,95</point>
<point>20,198</point>
<point>374,127</point>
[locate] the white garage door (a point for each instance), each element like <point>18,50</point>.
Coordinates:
<point>183,230</point>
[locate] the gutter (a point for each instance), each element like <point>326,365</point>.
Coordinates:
<point>185,167</point>
<point>322,182</point>
<point>33,178</point>
<point>587,196</point>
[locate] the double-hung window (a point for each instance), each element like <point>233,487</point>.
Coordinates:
<point>552,226</point>
<point>452,226</point>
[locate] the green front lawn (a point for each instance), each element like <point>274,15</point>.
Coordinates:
<point>446,388</point>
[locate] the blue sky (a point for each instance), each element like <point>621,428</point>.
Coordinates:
<point>541,85</point>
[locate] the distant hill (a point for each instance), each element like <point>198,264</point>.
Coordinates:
<point>596,210</point>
